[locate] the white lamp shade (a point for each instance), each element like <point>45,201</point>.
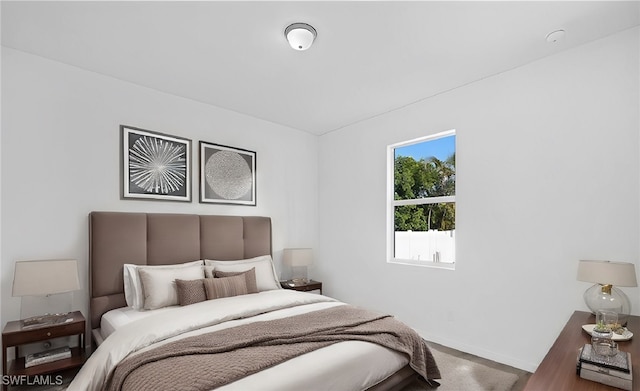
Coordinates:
<point>300,36</point>
<point>607,272</point>
<point>46,277</point>
<point>297,256</point>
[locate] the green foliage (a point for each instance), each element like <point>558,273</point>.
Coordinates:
<point>410,217</point>
<point>420,179</point>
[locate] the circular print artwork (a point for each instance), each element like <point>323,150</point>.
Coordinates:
<point>228,174</point>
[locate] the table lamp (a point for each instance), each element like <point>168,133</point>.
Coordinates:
<point>603,295</point>
<point>48,279</point>
<point>298,259</point>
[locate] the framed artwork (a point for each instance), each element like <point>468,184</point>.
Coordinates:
<point>227,175</point>
<point>155,166</point>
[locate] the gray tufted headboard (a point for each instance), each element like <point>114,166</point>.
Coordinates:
<point>116,238</point>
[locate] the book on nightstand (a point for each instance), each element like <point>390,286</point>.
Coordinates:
<point>47,356</point>
<point>615,371</point>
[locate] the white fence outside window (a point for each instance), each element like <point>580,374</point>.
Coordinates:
<point>427,246</point>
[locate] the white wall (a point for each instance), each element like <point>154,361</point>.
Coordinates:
<point>547,163</point>
<point>61,157</point>
<point>548,174</point>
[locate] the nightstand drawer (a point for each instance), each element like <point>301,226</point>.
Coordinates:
<point>43,334</point>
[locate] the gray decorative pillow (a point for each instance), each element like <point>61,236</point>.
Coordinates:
<point>217,288</point>
<point>250,276</point>
<point>191,291</point>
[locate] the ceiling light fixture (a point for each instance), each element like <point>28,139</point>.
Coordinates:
<point>555,36</point>
<point>300,35</point>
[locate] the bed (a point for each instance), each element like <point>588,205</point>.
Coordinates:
<point>139,334</point>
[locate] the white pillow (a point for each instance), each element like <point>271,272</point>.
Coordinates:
<point>159,284</point>
<point>266,277</point>
<point>208,271</point>
<point>132,286</point>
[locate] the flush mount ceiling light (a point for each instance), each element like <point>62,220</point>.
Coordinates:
<point>300,35</point>
<point>555,36</point>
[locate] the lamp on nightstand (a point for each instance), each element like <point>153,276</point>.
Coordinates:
<point>43,283</point>
<point>298,259</point>
<point>603,295</point>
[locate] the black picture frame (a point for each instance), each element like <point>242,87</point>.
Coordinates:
<point>154,166</point>
<point>227,175</point>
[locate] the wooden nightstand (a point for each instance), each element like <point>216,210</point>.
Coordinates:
<point>302,287</point>
<point>558,369</point>
<point>13,336</point>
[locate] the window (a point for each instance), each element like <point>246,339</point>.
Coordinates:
<point>421,192</point>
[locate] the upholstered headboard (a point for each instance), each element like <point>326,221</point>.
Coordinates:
<point>116,238</point>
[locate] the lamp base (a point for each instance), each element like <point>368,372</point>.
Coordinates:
<point>609,298</point>
<point>299,273</point>
<point>37,306</point>
<point>35,322</point>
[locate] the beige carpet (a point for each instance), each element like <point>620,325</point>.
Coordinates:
<point>462,374</point>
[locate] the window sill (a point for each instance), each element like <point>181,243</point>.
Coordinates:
<point>412,262</point>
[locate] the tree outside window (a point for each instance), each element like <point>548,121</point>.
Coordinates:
<point>423,202</point>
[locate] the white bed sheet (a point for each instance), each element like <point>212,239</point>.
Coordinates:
<point>119,317</point>
<point>343,366</point>
<point>352,365</point>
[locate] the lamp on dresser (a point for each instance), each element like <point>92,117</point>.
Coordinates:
<point>42,285</point>
<point>298,259</point>
<point>603,295</point>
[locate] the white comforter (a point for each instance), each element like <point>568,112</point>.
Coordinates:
<point>343,366</point>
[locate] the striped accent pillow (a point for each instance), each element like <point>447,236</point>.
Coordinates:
<point>217,288</point>
<point>190,291</point>
<point>249,275</point>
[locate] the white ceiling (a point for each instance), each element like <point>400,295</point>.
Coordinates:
<point>369,57</point>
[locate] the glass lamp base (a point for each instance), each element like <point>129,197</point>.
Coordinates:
<point>609,298</point>
<point>36,306</point>
<point>299,274</point>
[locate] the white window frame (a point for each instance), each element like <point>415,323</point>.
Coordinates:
<point>392,203</point>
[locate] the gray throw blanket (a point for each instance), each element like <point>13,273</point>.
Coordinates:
<point>208,361</point>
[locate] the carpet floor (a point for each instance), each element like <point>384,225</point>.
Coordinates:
<point>465,372</point>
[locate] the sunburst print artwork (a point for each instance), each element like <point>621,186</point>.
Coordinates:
<point>156,166</point>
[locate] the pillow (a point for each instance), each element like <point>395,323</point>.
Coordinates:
<point>208,271</point>
<point>266,278</point>
<point>132,286</point>
<point>190,291</point>
<point>159,284</point>
<point>225,287</point>
<point>249,275</point>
